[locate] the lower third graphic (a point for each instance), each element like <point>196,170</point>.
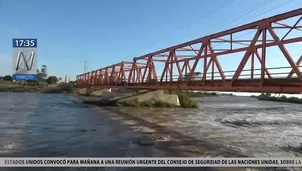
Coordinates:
<point>25,77</point>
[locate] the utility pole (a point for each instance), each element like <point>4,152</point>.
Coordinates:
<point>65,78</point>
<point>85,66</point>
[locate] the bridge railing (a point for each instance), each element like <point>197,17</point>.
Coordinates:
<point>277,73</point>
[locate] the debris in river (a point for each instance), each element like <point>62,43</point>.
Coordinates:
<point>145,141</point>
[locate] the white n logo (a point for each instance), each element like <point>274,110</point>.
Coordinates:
<point>25,63</point>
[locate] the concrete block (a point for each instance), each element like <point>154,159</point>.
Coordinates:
<point>82,91</point>
<point>170,98</point>
<point>156,95</point>
<point>99,92</point>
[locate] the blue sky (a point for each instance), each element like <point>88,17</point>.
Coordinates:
<point>104,32</point>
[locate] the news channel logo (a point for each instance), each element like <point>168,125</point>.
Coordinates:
<point>25,59</point>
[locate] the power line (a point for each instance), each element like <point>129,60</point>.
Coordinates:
<point>255,7</point>
<point>287,2</point>
<point>252,31</point>
<point>206,15</point>
<point>243,14</point>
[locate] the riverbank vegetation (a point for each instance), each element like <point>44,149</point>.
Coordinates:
<point>21,88</point>
<point>150,103</point>
<point>269,97</point>
<point>10,86</point>
<point>60,88</point>
<point>48,86</point>
<point>186,102</point>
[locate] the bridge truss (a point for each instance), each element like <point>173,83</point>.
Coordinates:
<point>278,37</point>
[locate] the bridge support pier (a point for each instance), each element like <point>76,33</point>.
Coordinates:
<point>93,91</point>
<point>157,95</point>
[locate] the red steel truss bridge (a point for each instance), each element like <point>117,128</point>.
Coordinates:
<point>262,56</point>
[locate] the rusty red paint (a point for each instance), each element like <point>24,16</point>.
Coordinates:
<point>141,72</point>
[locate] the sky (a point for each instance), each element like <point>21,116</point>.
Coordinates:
<point>104,32</point>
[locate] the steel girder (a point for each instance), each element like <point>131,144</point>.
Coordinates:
<point>176,66</point>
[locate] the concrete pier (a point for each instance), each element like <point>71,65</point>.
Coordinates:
<point>125,95</point>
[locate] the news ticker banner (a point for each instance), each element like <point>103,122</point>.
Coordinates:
<point>150,162</point>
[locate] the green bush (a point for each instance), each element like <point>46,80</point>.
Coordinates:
<point>149,103</point>
<point>19,89</point>
<point>68,88</point>
<point>184,97</point>
<point>7,78</point>
<point>62,88</point>
<point>162,104</point>
<point>129,103</point>
<point>186,102</point>
<point>268,97</point>
<point>52,80</point>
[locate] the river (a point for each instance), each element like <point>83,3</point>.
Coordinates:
<point>49,125</point>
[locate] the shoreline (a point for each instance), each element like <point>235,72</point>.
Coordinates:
<point>21,89</point>
<point>51,88</point>
<point>284,99</point>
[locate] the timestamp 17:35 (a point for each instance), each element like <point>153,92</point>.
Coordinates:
<point>24,43</point>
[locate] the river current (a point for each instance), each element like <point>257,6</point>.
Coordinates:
<point>49,125</point>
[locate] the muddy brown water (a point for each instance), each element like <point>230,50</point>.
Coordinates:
<point>50,125</point>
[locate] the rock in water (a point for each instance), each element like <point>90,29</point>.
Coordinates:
<point>145,140</point>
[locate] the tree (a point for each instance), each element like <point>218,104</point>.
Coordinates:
<point>40,77</point>
<point>52,80</point>
<point>8,78</point>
